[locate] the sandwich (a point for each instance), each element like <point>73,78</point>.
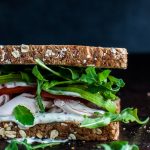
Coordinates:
<point>62,92</point>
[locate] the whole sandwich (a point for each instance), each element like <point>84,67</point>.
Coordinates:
<point>61,92</point>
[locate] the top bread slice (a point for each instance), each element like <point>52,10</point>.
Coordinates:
<point>67,55</point>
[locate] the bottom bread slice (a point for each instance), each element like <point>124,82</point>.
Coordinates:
<point>9,130</point>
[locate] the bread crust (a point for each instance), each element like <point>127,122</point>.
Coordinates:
<point>67,55</point>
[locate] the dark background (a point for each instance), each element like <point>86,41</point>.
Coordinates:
<point>113,23</point>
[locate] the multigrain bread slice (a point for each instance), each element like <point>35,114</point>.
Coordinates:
<point>62,130</point>
<point>68,55</point>
<point>9,130</point>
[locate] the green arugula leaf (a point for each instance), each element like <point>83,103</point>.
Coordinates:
<point>103,75</point>
<point>73,72</point>
<point>115,81</point>
<point>40,82</point>
<point>37,74</point>
<point>39,146</point>
<point>98,82</point>
<point>40,63</point>
<point>130,115</point>
<point>25,77</point>
<point>10,77</point>
<point>38,96</point>
<point>118,145</point>
<point>23,115</point>
<point>107,86</point>
<point>126,116</point>
<point>93,98</point>
<point>51,84</point>
<point>93,123</point>
<point>109,95</point>
<point>90,76</point>
<point>14,145</point>
<point>21,76</point>
<point>105,92</point>
<point>48,85</point>
<point>95,83</point>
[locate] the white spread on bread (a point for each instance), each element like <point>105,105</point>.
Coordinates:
<point>43,118</point>
<point>33,140</point>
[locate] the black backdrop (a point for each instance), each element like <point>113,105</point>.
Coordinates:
<point>118,23</point>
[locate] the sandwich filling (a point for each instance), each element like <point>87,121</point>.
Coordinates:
<point>43,94</point>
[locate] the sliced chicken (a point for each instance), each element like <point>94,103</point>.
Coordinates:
<point>75,107</point>
<point>24,99</point>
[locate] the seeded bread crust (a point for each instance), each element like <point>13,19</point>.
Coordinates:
<point>68,55</point>
<point>72,131</point>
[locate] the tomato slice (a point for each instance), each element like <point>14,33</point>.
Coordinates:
<point>32,90</point>
<point>17,90</point>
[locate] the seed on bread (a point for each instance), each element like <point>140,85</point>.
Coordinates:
<point>54,134</point>
<point>24,48</point>
<point>22,133</point>
<point>71,137</point>
<point>39,134</point>
<point>6,125</point>
<point>10,134</point>
<point>15,53</point>
<point>2,132</point>
<point>98,131</point>
<point>8,128</point>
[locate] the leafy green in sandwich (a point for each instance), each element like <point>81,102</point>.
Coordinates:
<point>98,87</point>
<point>23,115</point>
<point>91,84</point>
<point>127,115</point>
<point>118,145</point>
<point>14,145</point>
